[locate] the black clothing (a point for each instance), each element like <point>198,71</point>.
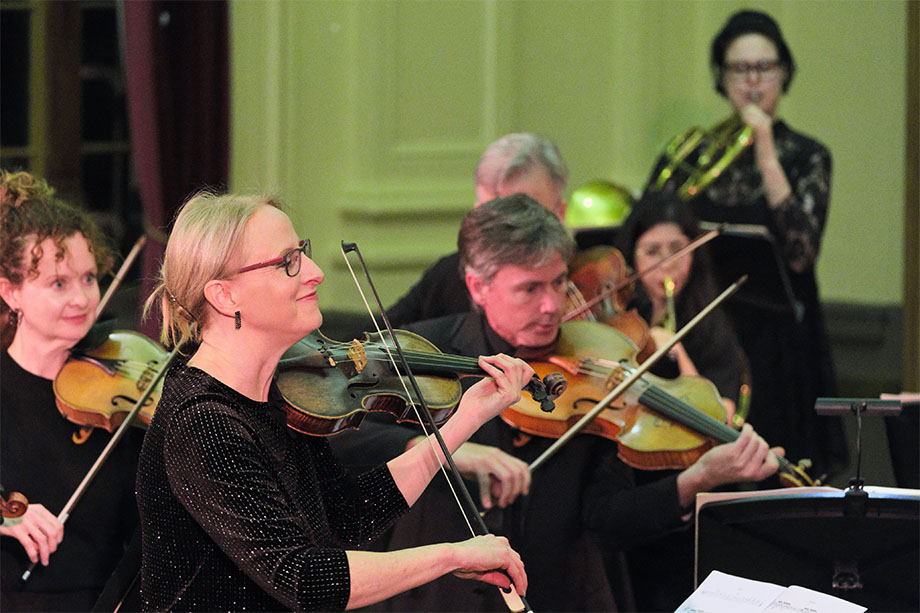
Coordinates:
<point>789,357</point>
<point>440,291</point>
<point>711,345</point>
<point>661,568</point>
<point>581,497</point>
<point>240,512</point>
<point>39,459</point>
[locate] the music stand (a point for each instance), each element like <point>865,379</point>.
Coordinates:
<point>813,539</point>
<point>750,249</point>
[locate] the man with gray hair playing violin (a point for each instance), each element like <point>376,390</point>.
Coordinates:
<point>514,253</point>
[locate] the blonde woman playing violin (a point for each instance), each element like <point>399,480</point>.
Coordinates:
<point>51,257</point>
<point>238,511</point>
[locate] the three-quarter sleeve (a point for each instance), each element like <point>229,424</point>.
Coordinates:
<point>359,507</point>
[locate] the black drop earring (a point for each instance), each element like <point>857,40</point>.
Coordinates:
<point>237,320</point>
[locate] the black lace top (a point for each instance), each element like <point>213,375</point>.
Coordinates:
<point>789,352</point>
<point>738,196</point>
<point>240,513</point>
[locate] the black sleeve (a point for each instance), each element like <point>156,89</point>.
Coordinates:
<point>440,291</point>
<point>619,513</point>
<point>800,217</point>
<point>378,440</point>
<point>718,356</point>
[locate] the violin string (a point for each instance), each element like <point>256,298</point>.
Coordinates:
<point>342,357</point>
<point>689,415</point>
<point>594,368</point>
<point>423,359</point>
<point>578,309</point>
<point>431,358</point>
<point>706,424</point>
<point>677,409</point>
<point>702,422</point>
<point>409,399</point>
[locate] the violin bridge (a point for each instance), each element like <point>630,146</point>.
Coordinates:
<point>570,365</point>
<point>357,355</point>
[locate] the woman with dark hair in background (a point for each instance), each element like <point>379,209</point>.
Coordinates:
<point>659,225</point>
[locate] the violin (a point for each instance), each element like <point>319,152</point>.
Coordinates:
<point>598,275</point>
<point>617,283</point>
<point>97,387</point>
<point>328,386</point>
<point>658,424</point>
<point>13,506</point>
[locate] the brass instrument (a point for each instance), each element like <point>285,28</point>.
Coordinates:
<point>697,158</point>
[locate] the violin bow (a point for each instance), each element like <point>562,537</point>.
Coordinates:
<point>107,451</point>
<point>699,241</point>
<point>515,602</point>
<point>120,275</point>
<point>632,378</point>
<point>117,436</point>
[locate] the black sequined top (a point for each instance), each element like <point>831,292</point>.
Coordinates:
<point>241,513</point>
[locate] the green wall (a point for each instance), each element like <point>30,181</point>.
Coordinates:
<point>368,117</point>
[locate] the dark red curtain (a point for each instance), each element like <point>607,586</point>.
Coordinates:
<point>177,73</point>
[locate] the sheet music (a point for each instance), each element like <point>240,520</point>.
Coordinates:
<point>723,593</point>
<point>796,599</point>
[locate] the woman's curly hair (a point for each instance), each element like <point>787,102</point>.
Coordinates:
<point>29,214</point>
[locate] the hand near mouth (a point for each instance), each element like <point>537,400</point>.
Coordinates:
<point>755,117</point>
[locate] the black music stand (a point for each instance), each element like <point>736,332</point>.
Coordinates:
<point>749,249</point>
<point>815,539</point>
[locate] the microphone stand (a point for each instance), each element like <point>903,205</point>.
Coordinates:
<point>856,498</point>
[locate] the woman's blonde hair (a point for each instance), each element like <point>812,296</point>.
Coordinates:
<point>206,233</point>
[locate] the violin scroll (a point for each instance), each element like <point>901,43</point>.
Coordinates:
<point>14,506</point>
<point>546,390</point>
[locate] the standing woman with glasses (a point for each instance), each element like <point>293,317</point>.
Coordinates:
<point>238,512</point>
<point>782,182</point>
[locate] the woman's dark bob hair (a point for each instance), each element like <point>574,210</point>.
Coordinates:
<point>749,22</point>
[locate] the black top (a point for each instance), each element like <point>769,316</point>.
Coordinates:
<point>239,512</point>
<point>711,345</point>
<point>440,291</point>
<point>39,459</point>
<point>789,356</point>
<point>581,497</point>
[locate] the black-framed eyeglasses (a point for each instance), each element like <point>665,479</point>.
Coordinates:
<point>764,69</point>
<point>290,260</point>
